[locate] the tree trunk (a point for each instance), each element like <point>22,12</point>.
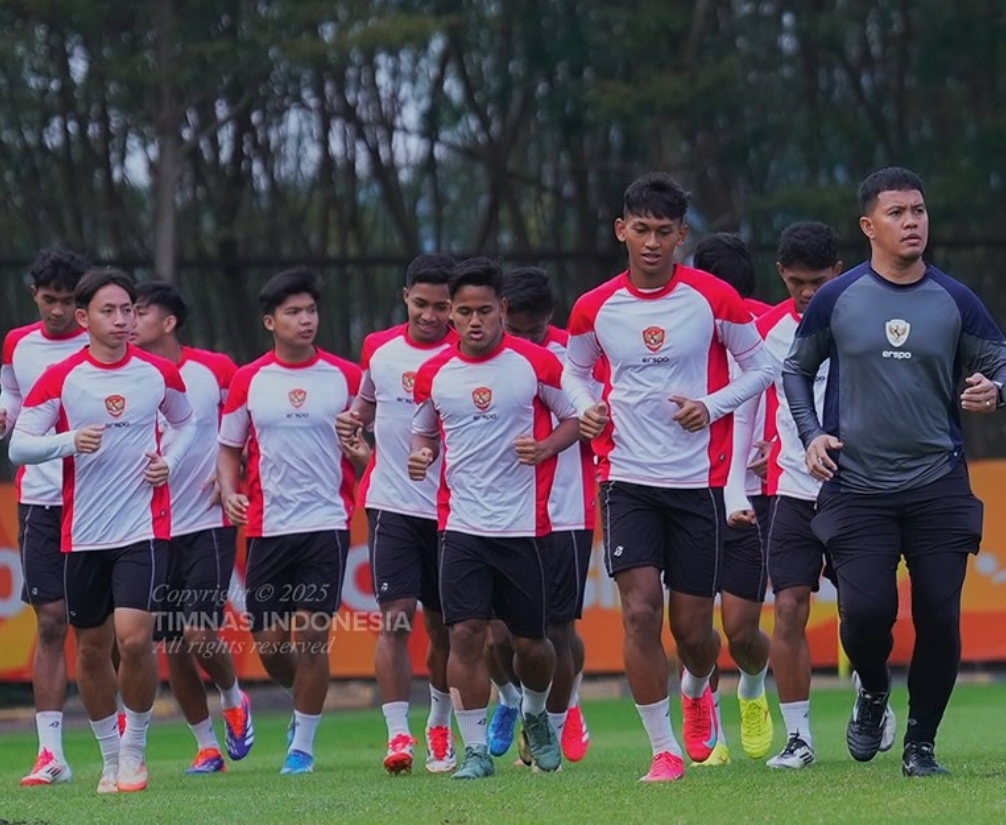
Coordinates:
<point>168,165</point>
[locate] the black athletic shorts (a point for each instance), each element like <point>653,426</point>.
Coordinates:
<point>486,577</point>
<point>679,532</point>
<point>566,554</point>
<point>744,573</point>
<point>39,532</point>
<point>403,558</point>
<point>297,572</point>
<point>796,557</point>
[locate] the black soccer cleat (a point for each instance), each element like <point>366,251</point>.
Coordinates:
<point>865,732</point>
<point>919,760</point>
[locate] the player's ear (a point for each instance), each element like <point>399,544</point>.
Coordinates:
<point>170,324</point>
<point>683,234</point>
<point>269,322</point>
<point>837,268</point>
<point>866,225</point>
<point>504,305</point>
<point>405,294</point>
<point>620,229</point>
<point>81,315</point>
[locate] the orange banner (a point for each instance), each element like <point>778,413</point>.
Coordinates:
<point>352,653</point>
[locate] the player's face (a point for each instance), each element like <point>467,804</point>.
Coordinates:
<point>532,328</point>
<point>294,323</point>
<point>56,309</point>
<point>153,324</point>
<point>477,312</point>
<point>651,243</point>
<point>110,317</point>
<point>802,283</point>
<point>898,225</point>
<point>429,309</point>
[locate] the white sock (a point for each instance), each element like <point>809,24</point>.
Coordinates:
<point>230,697</point>
<point>533,702</point>
<point>574,694</point>
<point>751,685</point>
<point>106,731</point>
<point>796,716</point>
<point>694,686</point>
<point>472,725</point>
<point>440,709</point>
<point>657,721</point>
<point>49,724</point>
<point>720,735</point>
<point>303,735</point>
<point>396,717</point>
<point>134,737</point>
<point>206,738</point>
<point>119,707</point>
<point>509,694</point>
<point>558,721</point>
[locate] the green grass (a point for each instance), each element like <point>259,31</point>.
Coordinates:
<point>349,785</point>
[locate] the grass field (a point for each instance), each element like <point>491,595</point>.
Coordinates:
<point>349,785</point>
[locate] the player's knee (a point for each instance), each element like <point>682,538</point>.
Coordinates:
<point>791,615</point>
<point>51,629</point>
<point>743,638</point>
<point>868,617</point>
<point>134,646</point>
<point>467,640</point>
<point>642,619</point>
<point>561,636</point>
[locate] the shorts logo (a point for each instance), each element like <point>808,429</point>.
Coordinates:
<point>408,381</point>
<point>619,550</point>
<point>297,398</point>
<point>653,337</point>
<point>115,405</point>
<point>897,331</point>
<point>482,397</point>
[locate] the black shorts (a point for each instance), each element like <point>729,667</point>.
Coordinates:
<point>403,558</point>
<point>298,572</point>
<point>567,561</point>
<point>679,532</point>
<point>39,533</point>
<point>744,572</point>
<point>796,557</point>
<point>197,586</point>
<point>100,581</point>
<point>485,577</point>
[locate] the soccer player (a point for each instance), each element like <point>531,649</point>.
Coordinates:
<point>743,572</point>
<point>901,338</point>
<point>27,351</point>
<point>98,411</point>
<point>486,403</point>
<point>203,546</point>
<point>662,433</point>
<point>403,515</point>
<point>282,407</point>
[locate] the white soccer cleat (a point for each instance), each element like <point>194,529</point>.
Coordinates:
<point>132,774</point>
<point>109,782</point>
<point>890,730</point>
<point>48,770</point>
<point>797,754</point>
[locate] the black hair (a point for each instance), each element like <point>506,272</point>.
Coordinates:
<point>727,257</point>
<point>527,291</point>
<point>808,244</point>
<point>165,296</point>
<point>95,279</point>
<point>478,271</point>
<point>57,268</point>
<point>657,195</point>
<point>289,282</point>
<point>429,269</point>
<point>891,179</point>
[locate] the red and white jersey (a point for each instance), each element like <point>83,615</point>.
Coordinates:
<point>390,361</point>
<point>107,503</point>
<point>671,341</point>
<point>298,479</point>
<point>478,407</point>
<point>207,375</point>
<point>573,503</point>
<point>787,471</point>
<point>27,352</point>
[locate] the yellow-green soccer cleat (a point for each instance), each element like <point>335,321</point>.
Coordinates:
<point>756,727</point>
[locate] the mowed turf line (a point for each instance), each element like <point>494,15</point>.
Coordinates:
<point>349,785</point>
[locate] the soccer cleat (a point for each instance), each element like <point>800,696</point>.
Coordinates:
<point>666,767</point>
<point>297,762</point>
<point>524,757</point>
<point>865,732</point>
<point>542,741</point>
<point>477,764</point>
<point>132,774</point>
<point>699,725</point>
<point>109,782</point>
<point>719,756</point>
<point>756,727</point>
<point>208,760</point>
<point>890,730</point>
<point>797,754</point>
<point>48,770</point>
<point>291,729</point>
<point>440,754</point>
<point>399,756</point>
<point>575,736</point>
<point>240,732</point>
<point>920,761</point>
<point>501,729</point>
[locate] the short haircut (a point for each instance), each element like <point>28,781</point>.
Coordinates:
<point>429,269</point>
<point>657,195</point>
<point>478,271</point>
<point>165,296</point>
<point>727,257</point>
<point>57,268</point>
<point>95,279</point>
<point>527,291</point>
<point>289,282</point>
<point>809,245</point>
<point>891,179</point>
